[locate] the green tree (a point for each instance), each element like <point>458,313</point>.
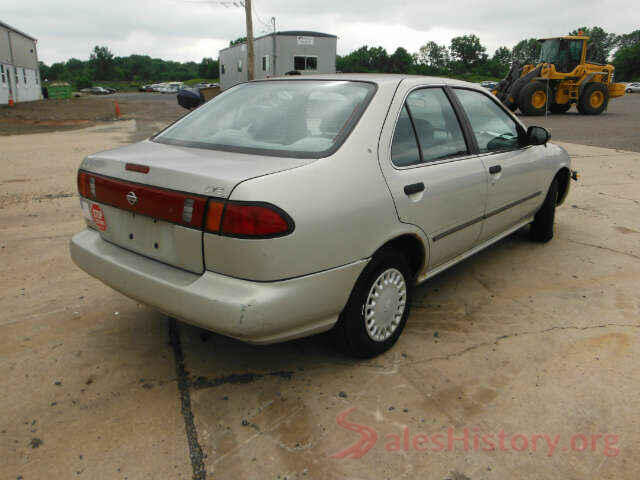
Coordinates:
<point>400,61</point>
<point>56,71</point>
<point>434,55</point>
<point>502,56</point>
<point>102,63</point>
<point>526,51</point>
<point>626,60</point>
<point>600,43</point>
<point>467,50</point>
<point>208,68</point>
<point>44,71</point>
<point>238,41</point>
<point>628,39</point>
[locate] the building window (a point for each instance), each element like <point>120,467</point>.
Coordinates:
<point>15,71</point>
<point>24,75</point>
<point>305,63</point>
<point>3,75</point>
<point>266,64</point>
<point>239,65</point>
<point>222,69</point>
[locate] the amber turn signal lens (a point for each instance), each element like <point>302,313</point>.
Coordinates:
<point>214,216</point>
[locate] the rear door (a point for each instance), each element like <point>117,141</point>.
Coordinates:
<point>436,181</point>
<point>514,189</point>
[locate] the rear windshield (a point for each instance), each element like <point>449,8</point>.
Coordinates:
<point>297,118</point>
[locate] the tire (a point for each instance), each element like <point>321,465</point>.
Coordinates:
<point>594,99</point>
<point>629,90</point>
<point>533,99</point>
<point>385,272</point>
<point>542,226</point>
<point>560,107</point>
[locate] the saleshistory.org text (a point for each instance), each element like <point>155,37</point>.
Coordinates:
<point>472,439</point>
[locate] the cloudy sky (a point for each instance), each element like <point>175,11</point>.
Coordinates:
<point>191,29</point>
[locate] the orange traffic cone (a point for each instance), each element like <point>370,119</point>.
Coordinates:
<point>11,104</point>
<point>117,110</point>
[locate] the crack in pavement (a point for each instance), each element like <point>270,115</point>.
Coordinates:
<point>512,335</point>
<point>195,450</point>
<point>637,257</point>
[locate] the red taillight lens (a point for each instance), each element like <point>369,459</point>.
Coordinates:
<point>83,184</point>
<point>255,220</point>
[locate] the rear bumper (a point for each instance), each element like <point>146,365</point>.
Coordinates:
<point>255,312</point>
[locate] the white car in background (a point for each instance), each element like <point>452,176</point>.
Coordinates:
<point>633,87</point>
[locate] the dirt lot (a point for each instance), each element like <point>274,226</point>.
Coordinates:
<point>518,341</point>
<point>151,111</point>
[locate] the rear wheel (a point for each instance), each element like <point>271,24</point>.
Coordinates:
<point>594,99</point>
<point>378,307</point>
<point>629,90</point>
<point>542,226</point>
<point>560,107</point>
<point>533,98</point>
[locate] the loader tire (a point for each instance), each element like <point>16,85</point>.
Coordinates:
<point>533,98</point>
<point>560,107</point>
<point>594,99</point>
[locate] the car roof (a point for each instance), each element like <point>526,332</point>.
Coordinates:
<point>377,78</point>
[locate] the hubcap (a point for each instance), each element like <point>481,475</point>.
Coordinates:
<point>596,99</point>
<point>385,305</point>
<point>538,99</point>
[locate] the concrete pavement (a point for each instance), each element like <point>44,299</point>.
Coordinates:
<point>521,345</point>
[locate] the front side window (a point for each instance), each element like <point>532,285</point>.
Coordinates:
<point>287,117</point>
<point>431,116</point>
<point>493,128</point>
<point>301,62</point>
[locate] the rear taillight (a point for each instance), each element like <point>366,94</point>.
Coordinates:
<point>235,219</point>
<point>247,220</point>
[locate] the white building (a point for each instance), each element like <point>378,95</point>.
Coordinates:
<point>19,72</point>
<point>277,53</point>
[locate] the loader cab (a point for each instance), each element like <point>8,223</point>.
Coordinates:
<point>566,53</point>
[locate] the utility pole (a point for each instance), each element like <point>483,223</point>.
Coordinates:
<point>247,10</point>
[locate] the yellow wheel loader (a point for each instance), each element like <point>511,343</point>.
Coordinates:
<point>561,78</point>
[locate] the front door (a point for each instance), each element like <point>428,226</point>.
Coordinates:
<point>513,168</point>
<point>436,181</point>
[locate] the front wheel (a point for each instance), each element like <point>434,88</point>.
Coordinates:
<point>533,98</point>
<point>542,226</point>
<point>378,307</point>
<point>629,90</point>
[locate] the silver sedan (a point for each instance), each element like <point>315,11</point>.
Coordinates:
<point>288,207</point>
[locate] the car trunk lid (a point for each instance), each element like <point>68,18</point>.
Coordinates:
<point>151,198</point>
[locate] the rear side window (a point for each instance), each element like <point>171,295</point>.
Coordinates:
<point>493,128</point>
<point>404,149</point>
<point>429,115</point>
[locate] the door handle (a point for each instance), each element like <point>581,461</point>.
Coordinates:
<point>414,188</point>
<point>493,169</point>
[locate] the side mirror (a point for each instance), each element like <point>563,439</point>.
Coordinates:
<point>537,135</point>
